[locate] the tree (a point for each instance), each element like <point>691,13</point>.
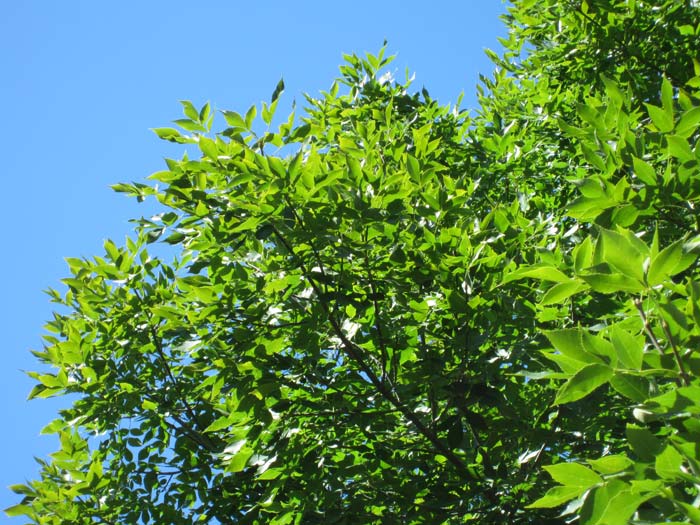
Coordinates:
<point>392,312</point>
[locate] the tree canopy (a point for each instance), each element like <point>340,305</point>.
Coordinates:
<point>388,311</point>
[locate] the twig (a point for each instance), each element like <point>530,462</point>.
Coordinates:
<point>647,327</point>
<point>194,434</point>
<point>377,320</point>
<point>684,377</point>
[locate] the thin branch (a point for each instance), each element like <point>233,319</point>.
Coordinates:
<point>377,319</point>
<point>647,327</point>
<point>194,434</point>
<point>684,377</point>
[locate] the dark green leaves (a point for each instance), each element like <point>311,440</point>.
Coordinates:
<point>279,88</point>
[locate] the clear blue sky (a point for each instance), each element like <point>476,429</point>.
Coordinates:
<point>83,81</point>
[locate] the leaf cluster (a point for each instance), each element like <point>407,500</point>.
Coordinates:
<point>390,311</point>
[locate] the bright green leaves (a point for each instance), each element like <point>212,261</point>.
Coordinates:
<point>542,271</point>
<point>172,135</point>
<point>615,297</point>
<point>195,122</point>
<point>611,464</point>
<point>347,320</point>
<point>234,119</point>
<point>668,464</point>
<point>644,171</point>
<point>624,252</point>
<point>558,293</point>
<point>556,496</point>
<point>582,358</point>
<point>618,261</point>
<point>661,118</point>
<point>575,479</point>
<point>576,344</point>
<point>628,347</point>
<point>688,123</point>
<point>669,262</point>
<point>583,382</point>
<point>573,475</point>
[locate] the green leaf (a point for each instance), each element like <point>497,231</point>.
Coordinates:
<point>662,119</point>
<point>598,499</point>
<point>629,349</point>
<point>189,110</point>
<point>632,387</point>
<point>556,496</point>
<point>644,171</point>
<point>583,255</point>
<point>689,122</point>
<point>188,125</point>
<point>679,148</point>
<point>583,383</point>
<point>596,344</point>
<point>569,342</point>
<point>667,96</point>
<point>668,464</point>
<point>239,460</point>
<point>250,116</point>
<point>204,112</point>
<point>612,283</point>
<point>170,134</point>
<point>692,512</point>
<point>112,250</point>
<point>643,442</point>
<point>622,251</point>
<point>300,133</point>
<point>234,119</point>
<point>209,148</point>
<point>268,112</point>
<point>18,510</point>
<point>665,263</point>
<point>561,291</point>
<point>149,405</point>
<point>219,424</point>
<point>621,508</point>
<point>251,223</point>
<point>413,167</point>
<point>681,399</point>
<point>611,464</point>
<point>543,272</point>
<point>573,475</point>
<point>269,474</point>
<point>307,178</point>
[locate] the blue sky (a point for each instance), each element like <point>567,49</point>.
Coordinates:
<point>83,82</point>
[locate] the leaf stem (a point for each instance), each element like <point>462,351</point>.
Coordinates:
<point>647,327</point>
<point>684,377</point>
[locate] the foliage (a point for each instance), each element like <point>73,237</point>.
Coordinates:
<point>391,312</point>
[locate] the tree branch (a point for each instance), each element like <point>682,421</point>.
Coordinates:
<point>189,430</point>
<point>377,319</point>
